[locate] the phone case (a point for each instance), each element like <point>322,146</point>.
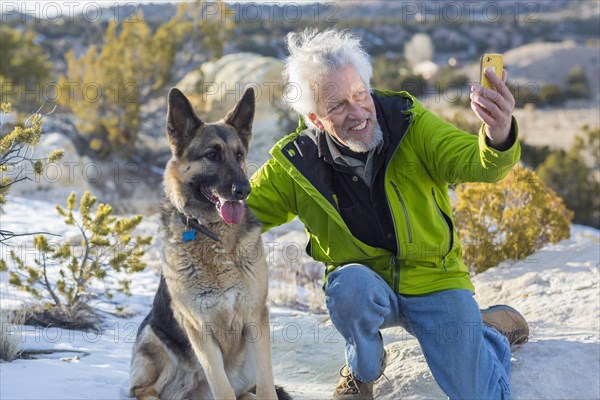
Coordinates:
<point>493,61</point>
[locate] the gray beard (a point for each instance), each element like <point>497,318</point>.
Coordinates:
<point>360,147</point>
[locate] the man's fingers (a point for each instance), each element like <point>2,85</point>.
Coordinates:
<point>492,107</point>
<point>501,96</point>
<point>503,88</point>
<point>491,75</point>
<point>481,113</point>
<point>483,95</point>
<point>499,84</point>
<point>485,92</point>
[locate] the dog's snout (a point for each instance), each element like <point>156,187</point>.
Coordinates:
<point>240,190</point>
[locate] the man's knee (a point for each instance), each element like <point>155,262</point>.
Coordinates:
<point>355,288</point>
<point>347,280</point>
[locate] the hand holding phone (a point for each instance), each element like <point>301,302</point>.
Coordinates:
<point>494,61</point>
<point>493,103</point>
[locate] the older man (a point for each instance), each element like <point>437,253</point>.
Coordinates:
<point>367,172</point>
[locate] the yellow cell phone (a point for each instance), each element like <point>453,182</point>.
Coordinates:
<point>494,61</point>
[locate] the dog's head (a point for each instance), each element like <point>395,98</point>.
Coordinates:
<point>206,176</point>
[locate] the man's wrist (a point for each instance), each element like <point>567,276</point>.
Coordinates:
<point>506,143</point>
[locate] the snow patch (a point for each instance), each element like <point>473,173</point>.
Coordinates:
<point>556,289</point>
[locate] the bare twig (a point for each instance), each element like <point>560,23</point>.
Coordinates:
<point>79,280</point>
<point>47,283</point>
<point>25,178</point>
<point>6,235</point>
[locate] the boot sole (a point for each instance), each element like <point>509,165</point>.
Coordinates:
<point>502,317</point>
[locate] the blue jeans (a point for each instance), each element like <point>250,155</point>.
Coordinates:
<point>468,359</point>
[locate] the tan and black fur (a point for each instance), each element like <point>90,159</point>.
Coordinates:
<point>207,335</point>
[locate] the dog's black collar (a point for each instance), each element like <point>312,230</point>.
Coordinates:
<point>195,224</point>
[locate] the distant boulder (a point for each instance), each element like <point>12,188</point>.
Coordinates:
<point>215,88</point>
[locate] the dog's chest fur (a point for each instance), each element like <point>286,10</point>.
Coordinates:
<point>215,281</point>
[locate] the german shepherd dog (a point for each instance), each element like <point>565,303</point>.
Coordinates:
<point>207,334</point>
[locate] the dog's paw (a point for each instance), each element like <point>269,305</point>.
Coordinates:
<point>146,394</point>
<point>247,396</point>
<point>266,394</point>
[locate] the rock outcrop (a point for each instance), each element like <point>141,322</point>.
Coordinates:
<point>218,85</point>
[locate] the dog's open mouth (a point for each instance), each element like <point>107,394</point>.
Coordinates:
<point>231,212</point>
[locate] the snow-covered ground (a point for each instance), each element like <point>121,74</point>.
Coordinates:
<point>556,289</point>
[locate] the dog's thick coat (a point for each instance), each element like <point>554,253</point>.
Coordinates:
<point>207,334</point>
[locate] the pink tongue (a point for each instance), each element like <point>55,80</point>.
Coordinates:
<point>232,212</point>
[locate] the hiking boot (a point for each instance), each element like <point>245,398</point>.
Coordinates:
<point>351,388</point>
<point>507,321</point>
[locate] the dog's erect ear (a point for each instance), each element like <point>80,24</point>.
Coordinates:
<point>242,115</point>
<point>182,121</point>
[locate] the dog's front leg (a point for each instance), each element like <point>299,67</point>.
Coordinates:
<point>265,385</point>
<point>209,354</point>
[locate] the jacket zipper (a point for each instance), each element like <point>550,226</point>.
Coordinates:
<point>410,238</point>
<point>450,233</point>
<point>395,267</point>
<point>396,274</point>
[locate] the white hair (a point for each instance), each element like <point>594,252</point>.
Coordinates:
<point>313,55</point>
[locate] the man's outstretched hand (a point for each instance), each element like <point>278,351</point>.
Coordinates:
<point>494,108</point>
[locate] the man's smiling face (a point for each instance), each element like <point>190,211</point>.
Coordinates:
<point>346,110</point>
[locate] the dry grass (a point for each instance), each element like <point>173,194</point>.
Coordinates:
<point>297,285</point>
<point>11,322</point>
<point>83,318</point>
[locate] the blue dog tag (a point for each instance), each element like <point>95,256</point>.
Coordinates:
<point>190,235</point>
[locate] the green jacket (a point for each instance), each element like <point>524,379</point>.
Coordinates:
<point>430,155</point>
